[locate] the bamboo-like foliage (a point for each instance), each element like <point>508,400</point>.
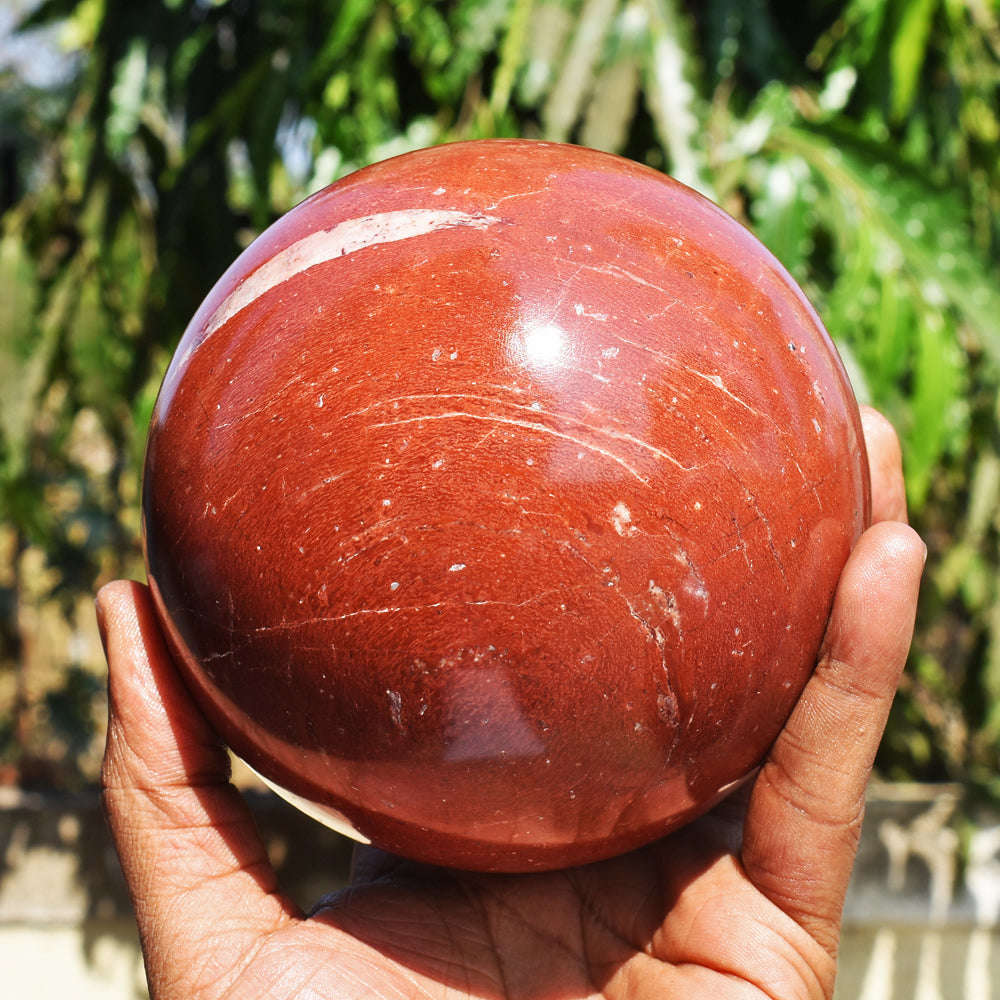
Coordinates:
<point>858,139</point>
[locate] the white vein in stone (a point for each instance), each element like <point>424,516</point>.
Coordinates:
<point>328,244</point>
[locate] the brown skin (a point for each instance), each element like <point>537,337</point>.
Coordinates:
<point>746,902</point>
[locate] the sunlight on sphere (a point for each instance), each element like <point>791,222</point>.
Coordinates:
<point>543,346</point>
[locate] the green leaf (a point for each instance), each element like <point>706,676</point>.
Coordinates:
<point>512,53</point>
<point>98,358</point>
<point>611,110</point>
<point>919,225</point>
<point>908,53</point>
<point>551,23</point>
<point>670,71</point>
<point>474,26</point>
<point>231,110</point>
<point>894,334</point>
<point>344,32</point>
<point>783,212</point>
<point>855,34</point>
<point>24,354</point>
<point>936,405</point>
<point>566,99</point>
<point>991,672</point>
<point>127,96</point>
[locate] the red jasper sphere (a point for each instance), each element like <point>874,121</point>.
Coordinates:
<point>495,500</point>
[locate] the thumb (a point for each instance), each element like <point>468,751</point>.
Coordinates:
<point>201,883</point>
<point>804,816</point>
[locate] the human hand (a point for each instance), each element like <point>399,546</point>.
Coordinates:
<point>744,902</point>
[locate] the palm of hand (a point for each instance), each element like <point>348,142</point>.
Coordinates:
<point>680,918</point>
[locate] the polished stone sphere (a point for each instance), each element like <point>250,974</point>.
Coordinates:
<point>495,500</point>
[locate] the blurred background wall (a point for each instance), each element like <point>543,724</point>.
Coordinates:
<point>144,143</point>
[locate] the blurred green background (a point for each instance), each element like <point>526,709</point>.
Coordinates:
<point>144,143</point>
